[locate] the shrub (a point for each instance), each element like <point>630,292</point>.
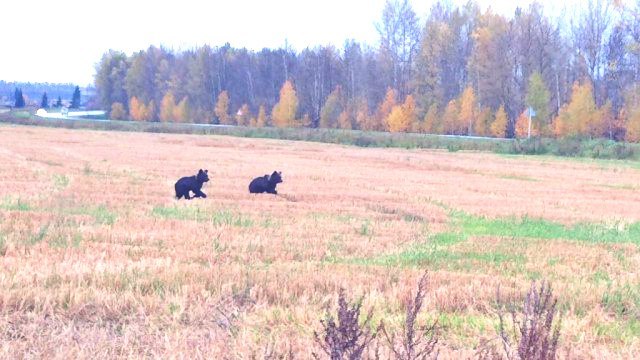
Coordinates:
<point>342,336</point>
<point>416,343</point>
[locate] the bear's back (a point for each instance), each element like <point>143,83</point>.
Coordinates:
<point>259,184</point>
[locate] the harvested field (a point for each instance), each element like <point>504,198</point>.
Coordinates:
<point>98,259</point>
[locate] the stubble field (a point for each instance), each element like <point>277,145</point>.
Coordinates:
<point>98,259</point>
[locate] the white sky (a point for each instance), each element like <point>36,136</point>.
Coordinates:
<point>61,41</point>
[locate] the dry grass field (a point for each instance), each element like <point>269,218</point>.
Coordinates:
<point>98,259</point>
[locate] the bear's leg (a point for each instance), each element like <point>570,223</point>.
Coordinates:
<point>199,193</point>
<point>186,195</point>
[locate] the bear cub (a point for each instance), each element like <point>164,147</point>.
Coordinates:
<point>192,183</point>
<point>266,183</point>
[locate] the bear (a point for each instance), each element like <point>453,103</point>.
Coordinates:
<point>192,183</point>
<point>266,183</point>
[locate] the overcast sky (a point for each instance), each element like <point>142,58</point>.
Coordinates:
<point>61,41</point>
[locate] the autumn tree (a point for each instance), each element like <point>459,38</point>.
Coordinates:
<point>222,109</point>
<point>167,108</point>
<point>580,116</point>
<point>345,120</point>
<point>450,118</point>
<point>522,126</point>
<point>243,116</point>
<point>332,109</point>
<point>261,120</point>
<point>490,64</point>
<point>136,109</point>
<point>118,111</point>
<point>499,125</point>
<point>181,113</point>
<point>384,109</point>
<point>284,112</point>
<point>467,115</point>
<point>538,98</point>
<point>403,117</point>
<point>630,115</point>
<point>483,122</point>
<point>431,123</point>
<point>150,111</point>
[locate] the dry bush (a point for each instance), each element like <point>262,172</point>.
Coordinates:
<point>533,333</point>
<point>343,337</point>
<point>416,343</point>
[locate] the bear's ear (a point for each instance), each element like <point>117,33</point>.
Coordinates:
<point>206,171</point>
<point>200,171</point>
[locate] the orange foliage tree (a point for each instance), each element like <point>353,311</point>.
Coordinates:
<point>384,109</point>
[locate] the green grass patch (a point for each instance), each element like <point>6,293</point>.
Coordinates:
<point>623,301</point>
<point>544,229</point>
<point>218,217</point>
<point>15,205</point>
<point>626,332</point>
<point>101,214</point>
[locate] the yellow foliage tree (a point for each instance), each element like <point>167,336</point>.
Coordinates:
<point>332,109</point>
<point>167,107</point>
<point>181,111</point>
<point>431,123</point>
<point>118,111</point>
<point>222,109</point>
<point>149,111</point>
<point>345,119</point>
<point>409,109</point>
<point>364,120</point>
<point>261,120</point>
<point>284,112</point>
<point>580,117</point>
<point>396,120</point>
<point>483,122</point>
<point>467,115</point>
<point>243,116</point>
<point>499,125</point>
<point>631,118</point>
<point>402,118</point>
<point>450,118</point>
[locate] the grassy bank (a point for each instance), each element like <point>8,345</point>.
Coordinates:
<point>572,147</point>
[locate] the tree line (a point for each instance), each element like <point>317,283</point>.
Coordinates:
<point>460,70</point>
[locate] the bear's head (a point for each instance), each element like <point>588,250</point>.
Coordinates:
<point>203,176</point>
<point>276,177</point>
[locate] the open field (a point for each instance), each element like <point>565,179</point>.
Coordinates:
<point>97,259</point>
